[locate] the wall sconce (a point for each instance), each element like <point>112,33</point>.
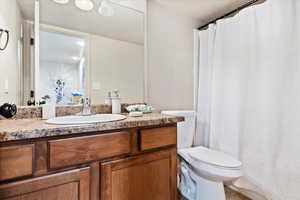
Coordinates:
<point>2,32</point>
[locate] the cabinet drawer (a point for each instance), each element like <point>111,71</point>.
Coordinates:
<point>69,185</point>
<point>16,161</point>
<point>158,137</point>
<point>68,152</point>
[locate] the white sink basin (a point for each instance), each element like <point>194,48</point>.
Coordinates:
<point>72,120</point>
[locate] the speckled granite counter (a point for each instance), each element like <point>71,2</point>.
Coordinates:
<point>20,129</point>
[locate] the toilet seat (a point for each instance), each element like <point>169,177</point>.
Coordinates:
<point>214,158</point>
<point>218,171</point>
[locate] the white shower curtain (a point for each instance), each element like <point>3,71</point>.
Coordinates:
<point>249,95</point>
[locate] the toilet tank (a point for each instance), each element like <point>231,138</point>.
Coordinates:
<point>185,129</point>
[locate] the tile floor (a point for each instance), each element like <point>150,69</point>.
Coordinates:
<point>230,195</point>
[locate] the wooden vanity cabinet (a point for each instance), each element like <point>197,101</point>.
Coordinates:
<point>16,161</point>
<point>69,185</point>
<point>148,177</point>
<point>72,151</point>
<point>134,164</point>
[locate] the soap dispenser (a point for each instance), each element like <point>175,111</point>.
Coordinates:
<point>116,103</point>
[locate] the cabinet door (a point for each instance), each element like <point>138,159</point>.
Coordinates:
<point>147,177</point>
<point>71,185</point>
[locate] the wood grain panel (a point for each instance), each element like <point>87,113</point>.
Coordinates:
<point>95,181</point>
<point>41,158</point>
<point>16,162</point>
<point>158,137</point>
<point>71,185</point>
<point>68,152</point>
<point>63,192</point>
<point>147,181</point>
<point>173,174</point>
<point>146,177</point>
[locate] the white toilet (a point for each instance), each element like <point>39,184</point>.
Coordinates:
<point>203,170</point>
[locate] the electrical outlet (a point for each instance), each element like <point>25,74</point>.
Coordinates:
<point>6,84</point>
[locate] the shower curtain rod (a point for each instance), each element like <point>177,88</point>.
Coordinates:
<point>230,13</point>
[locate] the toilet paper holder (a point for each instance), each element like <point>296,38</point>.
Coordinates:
<point>2,32</point>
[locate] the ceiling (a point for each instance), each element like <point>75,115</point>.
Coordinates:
<point>127,24</point>
<point>139,5</point>
<point>61,48</point>
<point>203,10</point>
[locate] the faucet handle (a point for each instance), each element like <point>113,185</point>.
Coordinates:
<point>86,101</point>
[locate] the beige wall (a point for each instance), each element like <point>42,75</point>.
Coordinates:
<point>116,65</point>
<point>170,58</point>
<point>10,18</point>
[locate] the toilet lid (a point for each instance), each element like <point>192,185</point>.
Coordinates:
<point>212,157</point>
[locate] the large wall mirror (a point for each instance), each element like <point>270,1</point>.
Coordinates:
<point>62,49</point>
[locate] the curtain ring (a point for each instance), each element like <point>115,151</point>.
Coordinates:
<point>7,38</point>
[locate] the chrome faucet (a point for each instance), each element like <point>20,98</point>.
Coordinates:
<point>86,106</point>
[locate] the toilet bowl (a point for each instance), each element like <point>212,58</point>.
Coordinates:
<point>203,170</point>
<point>209,169</point>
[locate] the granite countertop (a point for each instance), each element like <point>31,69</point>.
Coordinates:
<point>20,129</point>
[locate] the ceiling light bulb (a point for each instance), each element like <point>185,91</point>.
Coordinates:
<point>75,58</point>
<point>106,9</point>
<point>85,5</point>
<point>61,1</point>
<point>80,43</point>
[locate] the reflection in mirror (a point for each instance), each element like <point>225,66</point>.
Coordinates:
<point>81,53</point>
<point>62,67</point>
<point>114,56</point>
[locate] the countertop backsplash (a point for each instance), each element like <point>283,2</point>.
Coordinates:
<point>29,112</point>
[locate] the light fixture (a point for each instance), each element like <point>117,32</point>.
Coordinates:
<point>61,1</point>
<point>75,58</point>
<point>106,9</point>
<point>80,43</point>
<point>85,5</point>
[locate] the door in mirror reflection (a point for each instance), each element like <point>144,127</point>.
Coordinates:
<point>62,67</point>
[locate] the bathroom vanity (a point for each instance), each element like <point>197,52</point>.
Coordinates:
<point>132,159</point>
